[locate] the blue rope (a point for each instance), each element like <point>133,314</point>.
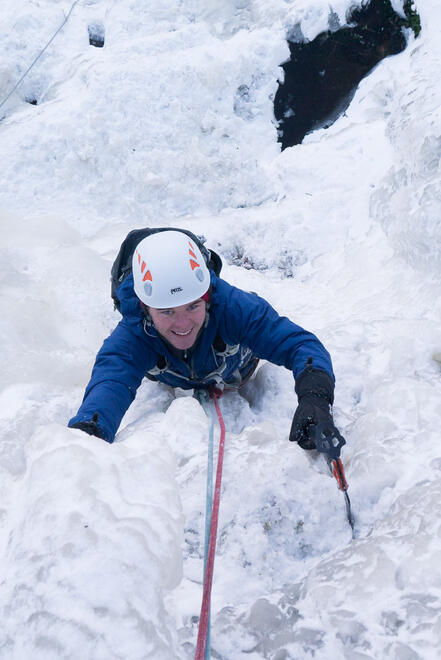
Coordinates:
<point>209,498</point>
<point>39,55</point>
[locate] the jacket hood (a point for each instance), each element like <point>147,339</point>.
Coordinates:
<point>130,303</point>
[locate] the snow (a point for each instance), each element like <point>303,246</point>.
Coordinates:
<point>171,124</point>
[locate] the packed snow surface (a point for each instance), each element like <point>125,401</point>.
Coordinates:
<point>171,124</point>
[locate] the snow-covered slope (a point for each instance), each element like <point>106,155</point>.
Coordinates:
<point>171,123</point>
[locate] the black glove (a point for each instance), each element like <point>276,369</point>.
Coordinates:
<point>91,427</point>
<point>315,392</point>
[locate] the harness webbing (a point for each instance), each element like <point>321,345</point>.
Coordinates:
<point>211,523</point>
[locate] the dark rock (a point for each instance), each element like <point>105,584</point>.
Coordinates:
<point>96,34</point>
<point>322,75</point>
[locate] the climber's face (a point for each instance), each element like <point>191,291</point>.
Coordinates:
<point>180,325</point>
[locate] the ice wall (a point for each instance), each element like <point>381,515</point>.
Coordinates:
<point>408,201</point>
<point>172,122</point>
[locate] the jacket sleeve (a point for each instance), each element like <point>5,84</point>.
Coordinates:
<point>118,371</point>
<point>252,322</point>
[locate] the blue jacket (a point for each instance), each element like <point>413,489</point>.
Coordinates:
<point>247,324</point>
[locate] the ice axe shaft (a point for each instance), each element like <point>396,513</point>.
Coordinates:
<point>329,441</point>
<point>336,467</point>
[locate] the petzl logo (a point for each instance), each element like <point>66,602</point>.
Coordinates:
<point>178,288</point>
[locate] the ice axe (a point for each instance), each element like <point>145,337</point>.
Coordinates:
<point>329,441</point>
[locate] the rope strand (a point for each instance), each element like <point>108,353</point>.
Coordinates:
<point>211,414</point>
<point>204,619</point>
<point>39,55</point>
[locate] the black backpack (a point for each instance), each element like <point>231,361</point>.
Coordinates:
<point>122,266</point>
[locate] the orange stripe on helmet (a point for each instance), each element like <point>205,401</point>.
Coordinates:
<point>147,276</point>
<point>194,264</point>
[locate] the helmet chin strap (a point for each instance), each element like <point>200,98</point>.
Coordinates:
<point>145,311</point>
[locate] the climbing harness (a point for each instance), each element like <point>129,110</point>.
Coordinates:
<point>39,55</point>
<point>211,519</point>
<point>245,368</point>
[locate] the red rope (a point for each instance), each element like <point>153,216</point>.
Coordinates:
<point>208,580</point>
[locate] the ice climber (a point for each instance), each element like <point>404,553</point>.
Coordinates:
<point>186,327</point>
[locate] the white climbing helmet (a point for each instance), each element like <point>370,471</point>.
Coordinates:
<point>169,270</point>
